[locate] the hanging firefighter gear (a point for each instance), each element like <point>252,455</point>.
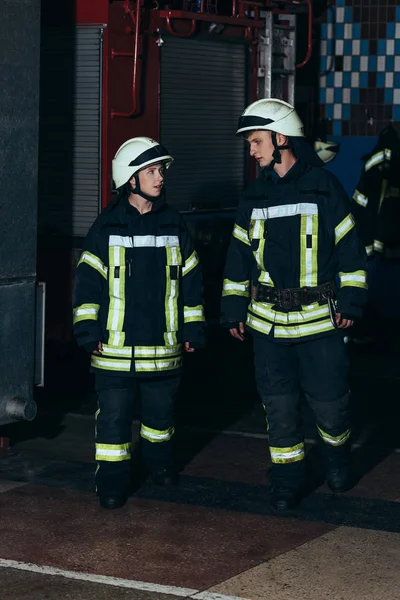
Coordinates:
<point>376,206</point>
<point>292,237</point>
<point>138,293</point>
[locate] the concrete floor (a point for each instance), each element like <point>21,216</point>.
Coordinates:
<point>213,537</point>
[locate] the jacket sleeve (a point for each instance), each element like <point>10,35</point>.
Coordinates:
<point>365,210</point>
<point>239,263</point>
<point>192,291</point>
<point>90,278</point>
<point>350,256</point>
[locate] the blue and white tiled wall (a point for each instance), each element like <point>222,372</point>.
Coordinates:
<point>360,67</point>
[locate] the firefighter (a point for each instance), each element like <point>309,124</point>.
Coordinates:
<point>137,306</point>
<point>294,234</point>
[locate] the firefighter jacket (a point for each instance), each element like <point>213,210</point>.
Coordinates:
<point>138,290</point>
<point>290,233</point>
<point>376,206</point>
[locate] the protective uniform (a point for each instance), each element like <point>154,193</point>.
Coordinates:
<point>292,237</point>
<point>138,292</point>
<point>376,205</point>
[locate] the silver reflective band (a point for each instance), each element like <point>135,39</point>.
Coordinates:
<point>343,228</point>
<point>359,278</point>
<point>360,198</point>
<point>111,350</point>
<point>103,363</point>
<point>192,262</point>
<point>78,312</point>
<point>238,287</point>
<point>193,313</point>
<point>154,351</point>
<point>299,452</point>
<point>241,234</point>
<point>285,210</point>
<point>103,452</point>
<point>93,261</point>
<point>144,241</point>
<point>378,158</point>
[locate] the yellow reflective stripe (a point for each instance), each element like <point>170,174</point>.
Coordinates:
<point>287,455</point>
<point>122,352</point>
<point>190,264</point>
<point>265,278</point>
<point>170,338</point>
<point>258,325</point>
<point>369,250</point>
<point>241,234</point>
<point>156,435</point>
<point>310,313</point>
<point>296,331</point>
<point>378,158</point>
<point>156,351</point>
<point>338,440</point>
<point>308,250</point>
<point>93,261</point>
<point>86,312</point>
<point>343,228</point>
<point>116,338</point>
<point>360,198</point>
<point>172,291</point>
<point>116,288</point>
<point>113,452</point>
<point>354,279</point>
<point>259,253</point>
<point>383,193</point>
<point>152,366</point>
<point>378,246</point>
<point>108,364</point>
<point>192,314</point>
<point>235,288</point>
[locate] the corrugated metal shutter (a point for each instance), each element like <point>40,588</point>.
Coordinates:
<point>69,130</point>
<point>203,93</point>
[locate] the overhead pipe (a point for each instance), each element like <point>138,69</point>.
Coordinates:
<point>186,34</point>
<point>309,37</point>
<point>135,55</point>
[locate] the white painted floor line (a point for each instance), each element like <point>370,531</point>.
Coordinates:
<point>115,581</point>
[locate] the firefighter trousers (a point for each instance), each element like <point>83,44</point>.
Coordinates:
<point>116,400</point>
<point>317,369</point>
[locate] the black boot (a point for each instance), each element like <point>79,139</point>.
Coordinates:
<point>284,498</point>
<point>339,478</point>
<point>164,477</point>
<point>111,502</point>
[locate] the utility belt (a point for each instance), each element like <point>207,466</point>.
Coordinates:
<point>294,298</point>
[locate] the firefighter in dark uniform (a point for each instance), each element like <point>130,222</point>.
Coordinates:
<point>137,306</point>
<point>294,235</point>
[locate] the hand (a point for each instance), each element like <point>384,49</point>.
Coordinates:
<point>188,348</point>
<point>343,324</point>
<point>99,349</point>
<point>238,333</point>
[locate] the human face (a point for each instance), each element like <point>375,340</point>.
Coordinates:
<point>261,147</point>
<point>151,179</point>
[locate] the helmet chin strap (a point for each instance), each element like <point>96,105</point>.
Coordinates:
<point>276,155</point>
<point>138,191</point>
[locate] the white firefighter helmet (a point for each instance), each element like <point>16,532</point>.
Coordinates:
<point>272,115</point>
<point>327,151</point>
<point>135,154</point>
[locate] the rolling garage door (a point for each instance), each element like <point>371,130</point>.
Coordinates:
<point>69,130</point>
<point>203,93</point>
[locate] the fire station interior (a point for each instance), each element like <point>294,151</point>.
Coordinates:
<point>89,76</point>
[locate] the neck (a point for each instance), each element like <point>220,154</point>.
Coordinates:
<point>288,160</point>
<point>142,206</point>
